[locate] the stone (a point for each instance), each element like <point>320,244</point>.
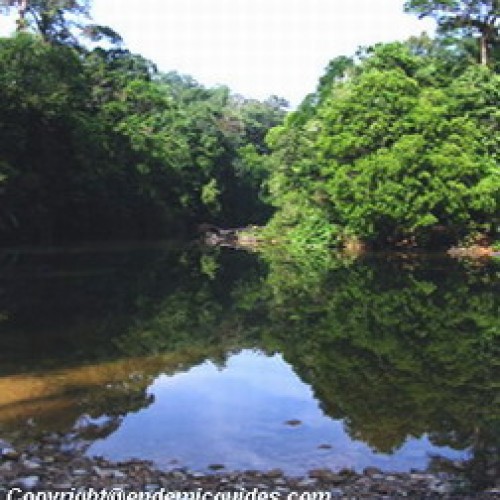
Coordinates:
<point>306,482</point>
<point>118,474</point>
<point>30,464</point>
<point>326,475</point>
<point>216,466</point>
<point>336,492</point>
<point>100,472</point>
<point>196,475</point>
<point>439,487</point>
<point>372,471</point>
<point>347,472</point>
<point>273,473</point>
<point>9,454</point>
<point>26,483</point>
<point>177,474</point>
<point>325,446</point>
<point>6,467</point>
<point>282,490</point>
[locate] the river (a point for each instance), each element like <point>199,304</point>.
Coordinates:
<point>207,357</point>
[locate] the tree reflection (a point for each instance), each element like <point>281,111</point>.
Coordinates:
<point>395,348</point>
<point>397,352</point>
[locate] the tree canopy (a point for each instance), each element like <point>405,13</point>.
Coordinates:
<point>399,147</point>
<point>59,21</point>
<point>480,17</point>
<point>100,144</point>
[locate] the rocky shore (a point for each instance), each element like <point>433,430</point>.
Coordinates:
<point>48,466</point>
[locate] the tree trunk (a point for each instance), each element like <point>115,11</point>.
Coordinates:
<point>21,21</point>
<point>484,50</point>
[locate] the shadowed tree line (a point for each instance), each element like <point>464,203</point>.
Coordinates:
<point>97,143</point>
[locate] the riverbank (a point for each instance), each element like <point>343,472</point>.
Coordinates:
<point>49,466</point>
<point>254,238</point>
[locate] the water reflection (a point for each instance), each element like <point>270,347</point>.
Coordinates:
<point>255,413</point>
<point>387,362</point>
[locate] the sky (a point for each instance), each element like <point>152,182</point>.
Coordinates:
<point>255,47</point>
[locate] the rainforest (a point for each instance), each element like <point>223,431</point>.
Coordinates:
<point>398,144</point>
<point>202,290</point>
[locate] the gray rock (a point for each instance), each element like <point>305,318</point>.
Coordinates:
<point>118,474</point>
<point>30,464</point>
<point>26,483</point>
<point>372,471</point>
<point>274,473</point>
<point>9,453</point>
<point>216,466</point>
<point>262,486</point>
<point>62,486</point>
<point>327,476</point>
<point>440,487</point>
<point>304,483</point>
<point>100,472</point>
<point>282,489</point>
<point>197,475</point>
<point>6,467</point>
<point>337,492</point>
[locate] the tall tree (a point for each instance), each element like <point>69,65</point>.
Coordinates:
<point>475,16</point>
<point>50,19</point>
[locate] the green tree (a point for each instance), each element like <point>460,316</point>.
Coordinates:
<point>472,16</point>
<point>394,149</point>
<point>58,21</point>
<point>42,109</point>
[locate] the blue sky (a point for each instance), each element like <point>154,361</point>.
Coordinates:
<point>256,47</point>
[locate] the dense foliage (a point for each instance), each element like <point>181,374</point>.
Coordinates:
<point>399,146</point>
<point>99,144</point>
<point>58,21</point>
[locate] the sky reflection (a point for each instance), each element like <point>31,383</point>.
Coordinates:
<point>237,416</point>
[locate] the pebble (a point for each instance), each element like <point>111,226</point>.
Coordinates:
<point>26,483</point>
<point>304,483</point>
<point>336,492</point>
<point>274,473</point>
<point>326,475</point>
<point>10,454</point>
<point>216,466</point>
<point>372,471</point>
<point>293,422</point>
<point>325,447</point>
<point>31,464</point>
<point>59,471</point>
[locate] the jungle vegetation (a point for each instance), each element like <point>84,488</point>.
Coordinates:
<point>398,145</point>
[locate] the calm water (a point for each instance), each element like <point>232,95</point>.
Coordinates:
<point>194,357</point>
